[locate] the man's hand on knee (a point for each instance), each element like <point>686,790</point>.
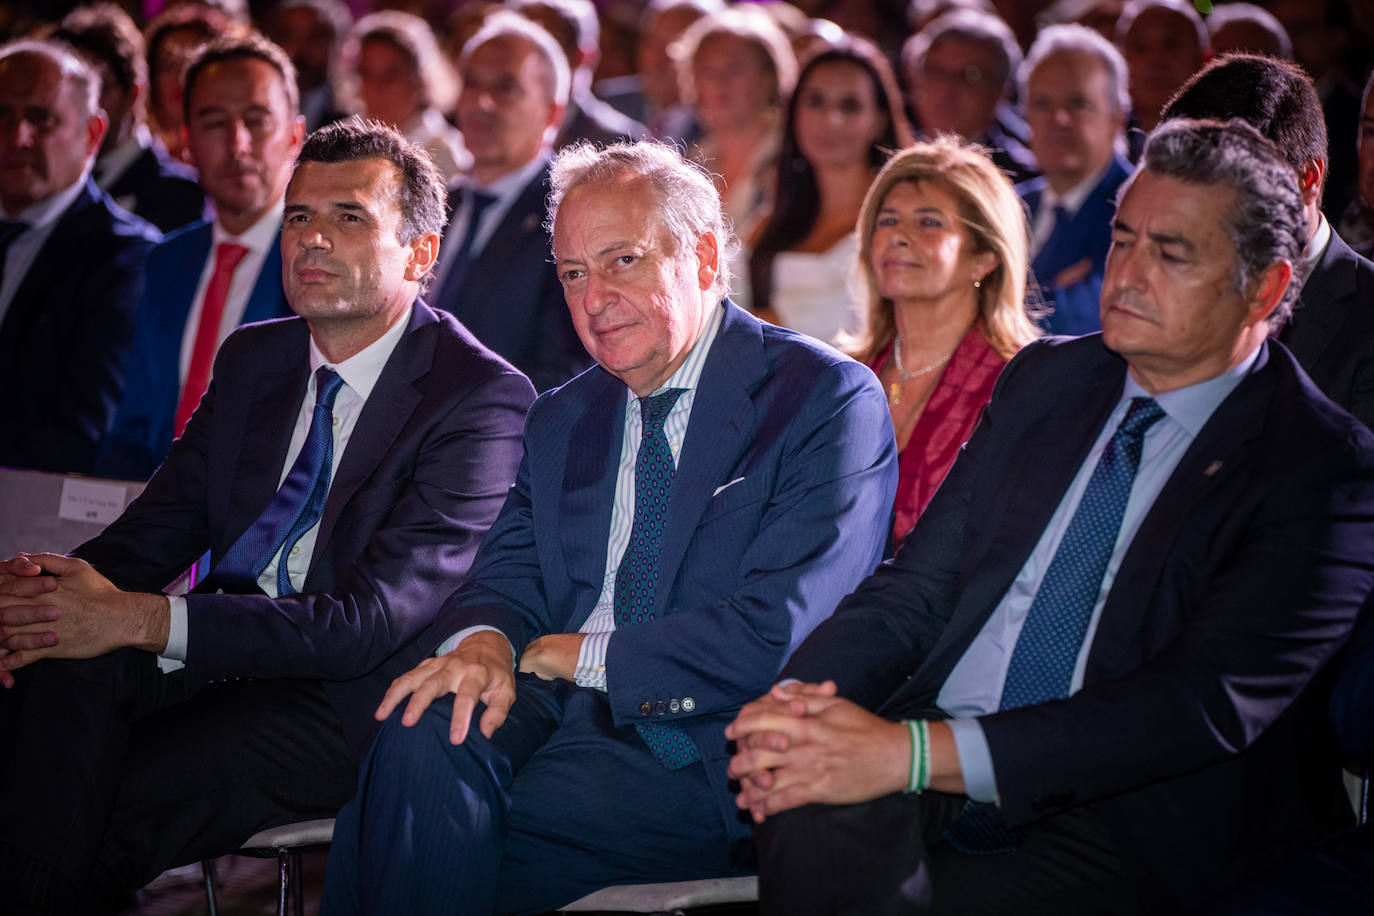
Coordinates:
<point>480,669</point>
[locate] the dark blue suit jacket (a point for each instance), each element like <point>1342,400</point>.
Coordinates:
<point>1332,330</point>
<point>511,298</point>
<point>1195,732</point>
<point>1087,235</point>
<point>66,333</point>
<point>425,471</point>
<point>142,430</point>
<point>778,508</point>
<point>159,189</point>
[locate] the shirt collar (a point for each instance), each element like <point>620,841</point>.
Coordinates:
<point>512,183</point>
<point>1316,246</point>
<point>257,237</point>
<point>689,373</point>
<point>47,211</point>
<point>1193,406</point>
<point>361,370</point>
<point>117,161</point>
<point>1072,199</point>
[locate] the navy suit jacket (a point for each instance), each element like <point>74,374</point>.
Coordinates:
<point>143,425</point>
<point>785,479</point>
<point>425,471</point>
<point>1332,331</point>
<point>159,189</point>
<point>1087,235</point>
<point>1195,732</point>
<point>66,333</point>
<point>511,298</point>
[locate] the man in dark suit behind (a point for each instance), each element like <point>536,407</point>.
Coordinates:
<point>1331,331</point>
<point>1111,679</point>
<point>685,513</point>
<point>71,263</point>
<point>495,274</point>
<point>341,470</point>
<point>132,167</point>
<point>206,279</point>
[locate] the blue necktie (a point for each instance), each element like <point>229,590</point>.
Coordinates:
<point>462,262</point>
<point>636,579</point>
<point>297,506</point>
<point>1046,652</point>
<point>9,231</point>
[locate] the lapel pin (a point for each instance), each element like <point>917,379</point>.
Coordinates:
<point>1214,467</point>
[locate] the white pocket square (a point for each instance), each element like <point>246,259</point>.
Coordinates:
<point>726,486</point>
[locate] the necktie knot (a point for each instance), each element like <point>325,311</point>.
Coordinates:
<point>654,409</point>
<point>327,385</point>
<point>481,200</point>
<point>1140,416</point>
<point>228,255</point>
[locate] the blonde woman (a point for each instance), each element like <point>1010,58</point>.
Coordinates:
<point>942,251</point>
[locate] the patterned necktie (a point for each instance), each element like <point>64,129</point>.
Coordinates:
<point>636,579</point>
<point>458,270</point>
<point>227,258</point>
<point>297,506</point>
<point>9,231</point>
<point>1046,652</point>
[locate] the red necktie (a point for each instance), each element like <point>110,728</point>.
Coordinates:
<point>227,257</point>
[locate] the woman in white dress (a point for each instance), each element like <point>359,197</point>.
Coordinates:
<point>844,120</point>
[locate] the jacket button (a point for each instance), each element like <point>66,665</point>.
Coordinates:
<point>645,708</point>
<point>674,705</point>
<point>688,704</point>
<point>660,708</point>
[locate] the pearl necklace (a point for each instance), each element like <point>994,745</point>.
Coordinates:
<point>894,389</point>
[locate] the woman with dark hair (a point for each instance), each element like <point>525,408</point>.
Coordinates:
<point>843,122</point>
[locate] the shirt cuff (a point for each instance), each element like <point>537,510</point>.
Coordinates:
<point>452,642</point>
<point>975,760</point>
<point>591,661</point>
<point>174,656</point>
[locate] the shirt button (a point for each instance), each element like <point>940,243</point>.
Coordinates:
<point>688,704</point>
<point>645,708</point>
<point>295,551</point>
<point>336,421</point>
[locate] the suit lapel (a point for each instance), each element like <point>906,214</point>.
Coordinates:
<point>52,262</point>
<point>388,408</point>
<point>722,424</point>
<point>589,473</point>
<point>524,216</point>
<point>267,299</point>
<point>1323,304</point>
<point>172,304</point>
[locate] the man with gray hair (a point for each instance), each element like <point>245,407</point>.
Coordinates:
<point>1073,87</point>
<point>71,263</point>
<point>686,512</point>
<point>959,70</point>
<point>1102,646</point>
<point>494,273</point>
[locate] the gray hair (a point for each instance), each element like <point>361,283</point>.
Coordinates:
<point>506,23</point>
<point>967,25</point>
<point>1071,38</point>
<point>1266,223</point>
<point>72,67</point>
<point>688,203</point>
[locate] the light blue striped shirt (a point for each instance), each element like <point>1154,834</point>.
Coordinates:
<point>600,624</point>
<point>974,686</point>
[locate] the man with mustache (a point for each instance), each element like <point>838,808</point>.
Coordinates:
<point>71,263</point>
<point>340,469</point>
<point>243,129</point>
<point>1102,647</point>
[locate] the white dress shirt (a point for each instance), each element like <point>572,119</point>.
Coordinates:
<point>505,189</point>
<point>258,239</point>
<point>359,373</point>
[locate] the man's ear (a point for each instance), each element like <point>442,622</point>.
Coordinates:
<point>1268,289</point>
<point>424,252</point>
<point>708,260</point>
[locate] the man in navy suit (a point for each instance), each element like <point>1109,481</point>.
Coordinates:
<point>244,130</point>
<point>685,513</point>
<point>495,274</point>
<point>1073,86</point>
<point>132,168</point>
<point>1332,328</point>
<point>71,263</point>
<point>148,731</point>
<point>1102,646</point>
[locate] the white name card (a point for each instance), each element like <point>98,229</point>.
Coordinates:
<point>91,501</point>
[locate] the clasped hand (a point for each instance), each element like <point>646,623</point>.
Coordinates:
<point>800,744</point>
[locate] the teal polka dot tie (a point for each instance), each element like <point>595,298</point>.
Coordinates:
<point>636,579</point>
